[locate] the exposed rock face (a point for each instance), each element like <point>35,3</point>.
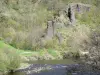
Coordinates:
<point>60,38</point>
<point>71,15</point>
<point>61,20</point>
<point>50,30</point>
<point>79,7</point>
<point>76,7</point>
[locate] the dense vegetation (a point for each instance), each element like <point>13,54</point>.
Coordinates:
<point>22,22</point>
<point>9,59</point>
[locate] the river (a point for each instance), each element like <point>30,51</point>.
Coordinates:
<point>56,67</point>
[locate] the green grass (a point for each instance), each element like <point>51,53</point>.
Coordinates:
<point>53,52</point>
<point>29,52</point>
<point>21,52</point>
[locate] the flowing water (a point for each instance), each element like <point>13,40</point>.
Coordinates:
<point>55,67</point>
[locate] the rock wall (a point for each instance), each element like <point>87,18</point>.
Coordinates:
<point>50,30</point>
<point>71,15</point>
<point>61,19</point>
<point>77,8</point>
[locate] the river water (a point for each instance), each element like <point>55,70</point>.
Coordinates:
<point>56,67</point>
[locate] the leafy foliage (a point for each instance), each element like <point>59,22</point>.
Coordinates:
<point>9,60</point>
<point>22,23</point>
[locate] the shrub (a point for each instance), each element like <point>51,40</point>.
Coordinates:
<point>51,44</point>
<point>19,40</point>
<point>9,60</point>
<point>8,34</point>
<point>92,20</point>
<point>33,39</point>
<point>18,19</point>
<point>74,37</point>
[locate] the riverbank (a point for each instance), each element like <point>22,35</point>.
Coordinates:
<point>44,54</point>
<point>28,55</point>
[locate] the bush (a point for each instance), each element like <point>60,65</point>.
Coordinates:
<point>8,34</point>
<point>73,38</point>
<point>92,20</point>
<point>19,40</point>
<point>51,44</point>
<point>33,39</point>
<point>9,60</point>
<point>18,18</point>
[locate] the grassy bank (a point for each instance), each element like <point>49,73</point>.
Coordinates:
<point>25,55</point>
<point>28,53</point>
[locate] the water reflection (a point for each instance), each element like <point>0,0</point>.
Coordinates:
<point>67,61</point>
<point>57,65</point>
<point>17,73</point>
